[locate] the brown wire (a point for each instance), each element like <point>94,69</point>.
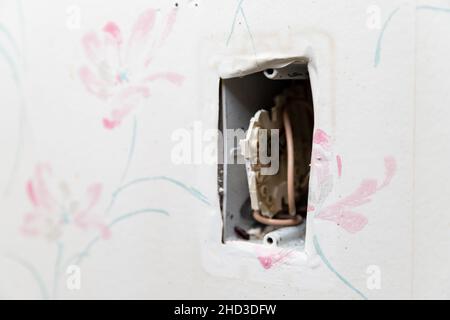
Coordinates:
<point>292,219</point>
<point>286,222</point>
<point>290,162</point>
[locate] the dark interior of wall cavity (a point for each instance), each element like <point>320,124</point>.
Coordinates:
<point>240,99</point>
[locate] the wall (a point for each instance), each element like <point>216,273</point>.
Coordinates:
<point>92,92</point>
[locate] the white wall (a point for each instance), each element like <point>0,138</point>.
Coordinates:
<point>152,229</point>
<point>431,218</point>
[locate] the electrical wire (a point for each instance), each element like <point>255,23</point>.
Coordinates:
<point>290,162</point>
<point>279,222</point>
<point>292,218</point>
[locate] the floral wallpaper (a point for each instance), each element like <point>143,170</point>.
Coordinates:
<point>119,72</point>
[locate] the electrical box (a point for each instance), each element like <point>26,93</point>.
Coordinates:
<point>267,121</point>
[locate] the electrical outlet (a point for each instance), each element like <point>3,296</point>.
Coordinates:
<point>267,121</point>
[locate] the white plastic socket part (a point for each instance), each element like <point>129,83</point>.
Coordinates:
<point>282,236</point>
<point>294,71</point>
<point>266,181</point>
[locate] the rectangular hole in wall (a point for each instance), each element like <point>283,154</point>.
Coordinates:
<point>267,208</point>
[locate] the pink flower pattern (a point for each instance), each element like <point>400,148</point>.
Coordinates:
<point>52,211</point>
<point>342,212</point>
<point>270,257</point>
<point>119,73</point>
